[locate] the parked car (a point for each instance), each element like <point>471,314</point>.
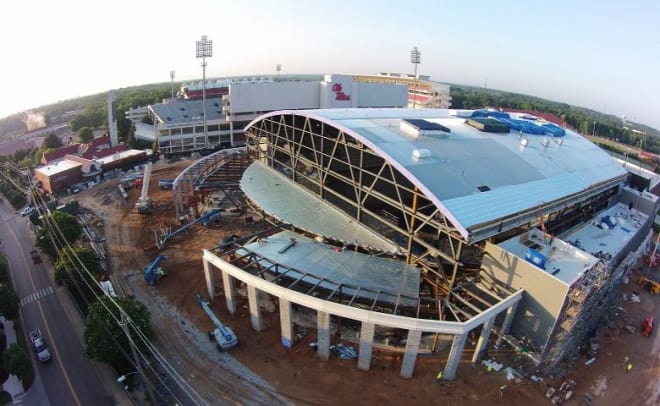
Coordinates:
<point>26,211</point>
<point>36,258</point>
<point>40,347</point>
<point>166,184</point>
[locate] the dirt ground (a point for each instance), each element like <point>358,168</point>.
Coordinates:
<point>268,373</point>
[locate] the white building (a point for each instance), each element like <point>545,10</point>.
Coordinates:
<point>179,126</point>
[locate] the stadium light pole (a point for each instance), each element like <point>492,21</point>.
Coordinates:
<point>172,83</point>
<point>204,50</point>
<point>415,60</point>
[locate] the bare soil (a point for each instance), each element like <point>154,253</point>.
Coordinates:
<point>261,371</point>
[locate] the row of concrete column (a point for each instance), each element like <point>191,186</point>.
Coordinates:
<point>366,332</point>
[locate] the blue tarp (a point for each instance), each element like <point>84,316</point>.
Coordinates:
<point>528,127</point>
<point>489,113</point>
<point>554,129</point>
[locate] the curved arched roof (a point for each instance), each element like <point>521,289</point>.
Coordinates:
<point>515,178</point>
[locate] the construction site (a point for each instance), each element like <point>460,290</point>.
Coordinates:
<point>372,237</point>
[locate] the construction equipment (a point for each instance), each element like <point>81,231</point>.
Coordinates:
<point>222,335</point>
<point>649,283</point>
<point>647,326</point>
<point>40,347</point>
<point>153,272</point>
<point>144,203</point>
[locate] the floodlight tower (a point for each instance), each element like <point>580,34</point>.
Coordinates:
<point>204,50</point>
<point>415,60</point>
<point>172,83</point>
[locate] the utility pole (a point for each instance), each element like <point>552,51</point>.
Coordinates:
<point>123,323</point>
<point>172,84</point>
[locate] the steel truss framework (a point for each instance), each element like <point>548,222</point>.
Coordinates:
<point>220,170</point>
<point>469,298</point>
<point>340,169</point>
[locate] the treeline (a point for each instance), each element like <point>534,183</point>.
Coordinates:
<point>95,114</point>
<point>583,120</point>
<point>92,110</point>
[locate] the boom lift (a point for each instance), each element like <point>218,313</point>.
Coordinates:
<point>153,272</point>
<point>222,335</point>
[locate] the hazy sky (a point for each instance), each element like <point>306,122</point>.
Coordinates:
<point>604,55</point>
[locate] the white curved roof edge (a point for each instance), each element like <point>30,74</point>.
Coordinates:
<point>427,192</point>
<point>354,313</point>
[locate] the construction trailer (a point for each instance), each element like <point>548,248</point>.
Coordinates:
<point>144,204</point>
<point>223,336</point>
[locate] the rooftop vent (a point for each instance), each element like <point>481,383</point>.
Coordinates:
<point>418,127</point>
<point>483,188</point>
<point>523,142</point>
<point>421,153</point>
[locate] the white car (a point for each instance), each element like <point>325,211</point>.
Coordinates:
<point>26,211</point>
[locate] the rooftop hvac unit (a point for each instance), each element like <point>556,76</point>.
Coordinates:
<point>523,142</point>
<point>545,142</point>
<point>559,141</point>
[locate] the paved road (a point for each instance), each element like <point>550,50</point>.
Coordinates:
<point>69,378</point>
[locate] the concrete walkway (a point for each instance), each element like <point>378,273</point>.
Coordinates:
<point>13,385</point>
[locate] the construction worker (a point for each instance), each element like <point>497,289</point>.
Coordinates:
<point>502,391</point>
<point>439,376</point>
<point>629,367</point>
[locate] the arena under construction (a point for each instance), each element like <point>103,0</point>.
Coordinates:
<point>411,229</point>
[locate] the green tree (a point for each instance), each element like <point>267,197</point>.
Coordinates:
<point>54,224</point>
<point>85,135</point>
<point>16,361</point>
<point>130,138</point>
<point>4,271</point>
<point>8,302</point>
<point>103,333</point>
<point>68,268</point>
<point>52,141</point>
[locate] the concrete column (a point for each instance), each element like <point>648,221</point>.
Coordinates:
<point>286,326</point>
<point>323,334</point>
<point>482,344</point>
<point>366,345</point>
<point>410,356</point>
<point>510,313</point>
<point>210,280</point>
<point>454,356</point>
<point>255,314</point>
<point>228,286</point>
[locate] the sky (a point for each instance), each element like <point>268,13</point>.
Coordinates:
<point>603,55</point>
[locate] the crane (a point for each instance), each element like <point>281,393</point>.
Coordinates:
<point>143,204</point>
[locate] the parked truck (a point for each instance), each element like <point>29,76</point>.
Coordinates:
<point>40,347</point>
<point>222,335</point>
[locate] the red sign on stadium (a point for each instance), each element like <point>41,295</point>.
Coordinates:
<point>339,92</point>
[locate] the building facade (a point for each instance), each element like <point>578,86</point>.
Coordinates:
<point>231,105</point>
